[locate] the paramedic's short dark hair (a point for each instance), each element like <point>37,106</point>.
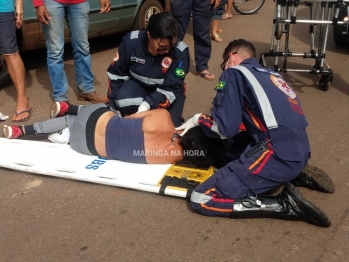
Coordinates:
<point>241,46</point>
<point>164,26</point>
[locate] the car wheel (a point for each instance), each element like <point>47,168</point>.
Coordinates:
<point>4,75</point>
<point>147,9</point>
<point>339,39</point>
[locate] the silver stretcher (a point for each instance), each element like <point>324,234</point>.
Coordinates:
<point>285,15</point>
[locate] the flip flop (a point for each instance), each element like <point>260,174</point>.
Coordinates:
<point>30,111</point>
<point>204,76</point>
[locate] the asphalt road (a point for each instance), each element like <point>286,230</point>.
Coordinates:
<point>45,219</point>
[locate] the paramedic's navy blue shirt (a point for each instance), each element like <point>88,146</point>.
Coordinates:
<point>269,109</point>
<point>163,72</point>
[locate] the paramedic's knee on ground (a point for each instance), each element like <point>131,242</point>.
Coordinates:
<point>236,193</point>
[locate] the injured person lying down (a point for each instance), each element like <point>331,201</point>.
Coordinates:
<point>97,130</point>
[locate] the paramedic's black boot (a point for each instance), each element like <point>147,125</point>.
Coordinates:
<point>289,204</point>
<point>300,209</point>
<point>314,178</point>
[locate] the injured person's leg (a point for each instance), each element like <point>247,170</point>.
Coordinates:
<point>59,109</point>
<point>39,128</point>
<point>288,205</point>
<point>314,178</point>
<point>13,132</point>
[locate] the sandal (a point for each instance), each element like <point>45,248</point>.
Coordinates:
<point>226,16</point>
<point>216,38</point>
<point>28,111</point>
<point>206,75</point>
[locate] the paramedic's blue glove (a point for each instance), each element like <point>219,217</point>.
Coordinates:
<point>144,106</point>
<point>191,122</point>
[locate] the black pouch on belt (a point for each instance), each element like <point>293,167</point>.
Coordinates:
<point>259,146</point>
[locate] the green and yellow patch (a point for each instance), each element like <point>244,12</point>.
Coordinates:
<point>180,72</point>
<point>220,85</point>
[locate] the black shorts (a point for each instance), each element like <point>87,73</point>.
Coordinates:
<point>8,37</point>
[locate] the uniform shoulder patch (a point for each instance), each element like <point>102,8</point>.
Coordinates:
<point>220,85</point>
<point>165,63</point>
<point>180,72</point>
<point>283,86</point>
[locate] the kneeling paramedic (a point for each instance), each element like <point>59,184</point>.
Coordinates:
<point>148,70</point>
<point>278,147</point>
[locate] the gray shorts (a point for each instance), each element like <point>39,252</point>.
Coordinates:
<point>82,133</point>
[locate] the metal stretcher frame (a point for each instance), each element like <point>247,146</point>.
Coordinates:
<point>285,15</point>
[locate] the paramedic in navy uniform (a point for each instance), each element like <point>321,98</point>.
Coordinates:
<point>148,70</point>
<point>279,150</point>
<point>200,12</point>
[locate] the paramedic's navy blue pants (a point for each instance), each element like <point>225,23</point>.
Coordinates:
<point>259,173</point>
<point>202,15</point>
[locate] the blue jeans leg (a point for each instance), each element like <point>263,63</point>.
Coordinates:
<point>77,16</point>
<point>54,36</point>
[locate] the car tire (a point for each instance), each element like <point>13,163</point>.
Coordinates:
<point>339,39</point>
<point>4,75</point>
<point>148,8</point>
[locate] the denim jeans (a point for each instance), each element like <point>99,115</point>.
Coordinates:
<point>77,18</point>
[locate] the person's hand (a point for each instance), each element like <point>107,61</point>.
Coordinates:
<point>42,14</point>
<point>191,122</point>
<point>105,6</point>
<point>216,3</point>
<point>144,106</point>
<point>19,13</point>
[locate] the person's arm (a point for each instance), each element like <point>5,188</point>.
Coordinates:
<point>228,104</point>
<point>210,126</point>
<point>207,124</point>
<point>19,13</point>
<point>226,116</point>
<point>118,71</point>
<point>41,11</point>
<point>165,95</point>
<point>215,3</point>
